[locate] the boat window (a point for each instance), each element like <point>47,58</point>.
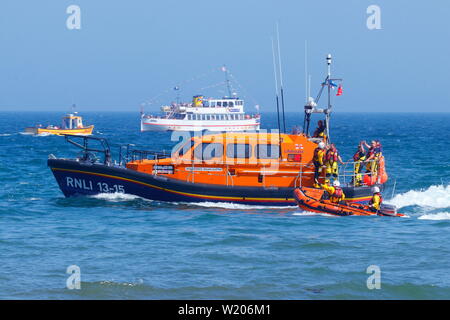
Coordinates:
<point>213,103</point>
<point>219,103</point>
<point>66,123</point>
<point>230,104</point>
<point>224,103</point>
<point>208,151</point>
<point>267,151</point>
<point>239,150</point>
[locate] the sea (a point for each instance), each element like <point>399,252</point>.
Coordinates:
<point>118,246</point>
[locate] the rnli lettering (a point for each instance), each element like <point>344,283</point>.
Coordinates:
<point>103,187</point>
<point>79,183</point>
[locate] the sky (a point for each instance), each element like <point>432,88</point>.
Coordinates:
<point>131,54</point>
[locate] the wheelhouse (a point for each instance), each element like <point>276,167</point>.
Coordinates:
<point>72,121</point>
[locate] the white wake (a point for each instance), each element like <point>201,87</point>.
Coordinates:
<point>436,216</point>
<point>434,197</point>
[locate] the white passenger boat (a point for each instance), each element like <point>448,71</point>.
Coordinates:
<point>226,114</point>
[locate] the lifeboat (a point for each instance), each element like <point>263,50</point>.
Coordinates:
<point>315,200</point>
<point>254,168</point>
<point>71,124</point>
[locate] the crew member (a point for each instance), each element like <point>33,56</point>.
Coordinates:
<point>372,156</point>
<point>320,131</point>
<point>331,162</point>
<point>358,158</point>
<point>318,161</point>
<point>377,199</point>
<point>335,191</point>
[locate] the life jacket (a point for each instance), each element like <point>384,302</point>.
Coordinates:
<point>320,131</point>
<point>316,157</point>
<point>379,195</point>
<point>358,155</point>
<point>337,192</point>
<point>331,156</point>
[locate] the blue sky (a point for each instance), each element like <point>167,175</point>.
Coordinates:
<point>130,51</point>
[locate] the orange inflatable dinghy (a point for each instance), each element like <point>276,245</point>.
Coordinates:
<point>311,199</point>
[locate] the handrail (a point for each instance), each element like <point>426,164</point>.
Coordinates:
<point>87,151</point>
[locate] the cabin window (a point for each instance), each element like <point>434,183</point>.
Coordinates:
<point>219,103</point>
<point>267,151</point>
<point>66,123</point>
<point>208,151</point>
<point>239,150</point>
<point>230,104</point>
<point>225,103</point>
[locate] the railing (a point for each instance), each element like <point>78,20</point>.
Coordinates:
<point>88,154</point>
<point>349,176</point>
<point>139,155</point>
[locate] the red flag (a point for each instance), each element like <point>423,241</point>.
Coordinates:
<point>339,91</point>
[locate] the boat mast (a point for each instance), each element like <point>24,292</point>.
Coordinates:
<point>311,105</point>
<point>328,110</point>
<point>227,80</point>
<point>276,94</point>
<point>281,80</point>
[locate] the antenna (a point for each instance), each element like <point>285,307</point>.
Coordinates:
<point>328,82</point>
<point>281,79</point>
<point>224,69</point>
<point>307,88</point>
<point>276,93</point>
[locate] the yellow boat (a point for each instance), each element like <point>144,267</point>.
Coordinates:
<point>71,124</point>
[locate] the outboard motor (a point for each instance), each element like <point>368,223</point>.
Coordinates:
<point>388,209</point>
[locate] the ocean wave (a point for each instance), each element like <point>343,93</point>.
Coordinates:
<point>236,206</point>
<point>305,213</point>
<point>434,196</point>
<point>5,134</point>
<point>116,196</point>
<point>436,216</point>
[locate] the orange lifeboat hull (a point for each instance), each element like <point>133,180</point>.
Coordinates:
<point>310,199</point>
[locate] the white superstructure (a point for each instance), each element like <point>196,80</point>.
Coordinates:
<point>226,114</point>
